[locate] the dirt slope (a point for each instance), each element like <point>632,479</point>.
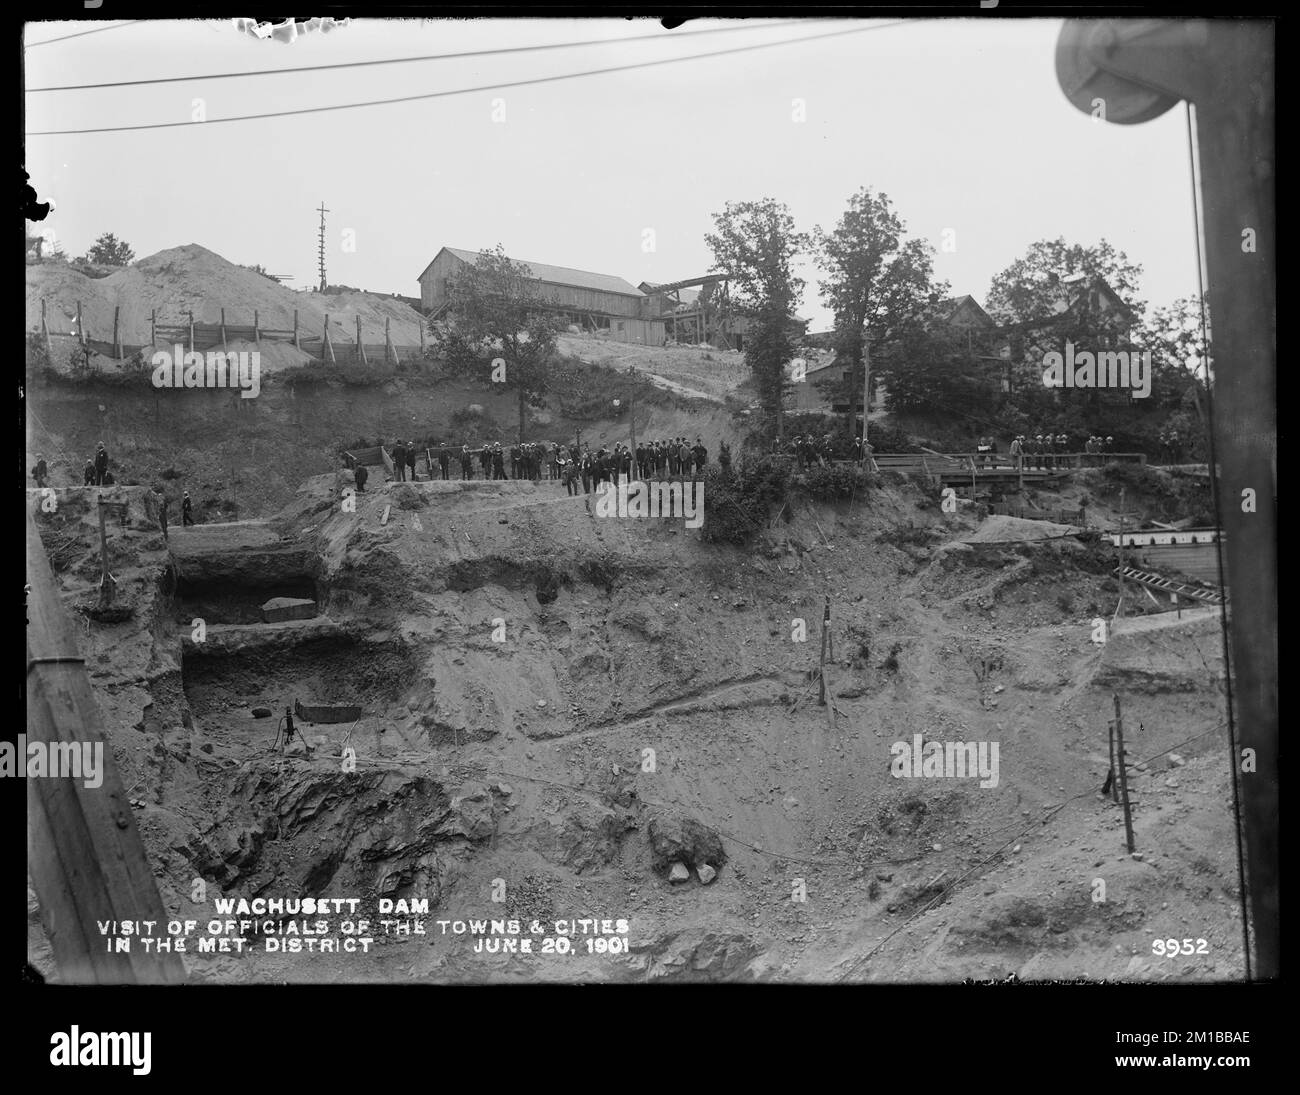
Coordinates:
<point>515,655</point>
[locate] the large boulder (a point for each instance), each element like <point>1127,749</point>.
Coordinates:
<point>683,840</point>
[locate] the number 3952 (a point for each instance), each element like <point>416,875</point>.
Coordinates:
<point>1172,948</point>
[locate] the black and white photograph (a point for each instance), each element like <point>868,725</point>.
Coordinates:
<point>626,500</point>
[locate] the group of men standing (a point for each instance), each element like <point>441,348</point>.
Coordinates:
<point>95,473</point>
<point>572,465</point>
<point>1048,450</point>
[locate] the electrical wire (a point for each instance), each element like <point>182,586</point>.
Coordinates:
<point>661,37</point>
<point>535,81</point>
<point>81,34</point>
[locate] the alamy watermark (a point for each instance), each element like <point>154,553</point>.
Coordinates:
<point>652,499</point>
<point>221,369</point>
<point>945,759</point>
<point>1104,369</point>
<point>83,760</point>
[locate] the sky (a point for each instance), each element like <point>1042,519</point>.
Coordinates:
<point>961,122</point>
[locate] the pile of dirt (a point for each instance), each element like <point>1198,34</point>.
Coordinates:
<point>998,529</point>
<point>180,280</point>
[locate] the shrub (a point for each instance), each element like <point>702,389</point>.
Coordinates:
<point>738,504</point>
<point>834,482</point>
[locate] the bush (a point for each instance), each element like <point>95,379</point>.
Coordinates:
<point>738,504</point>
<point>835,482</point>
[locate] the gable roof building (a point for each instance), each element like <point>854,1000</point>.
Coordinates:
<point>597,302</point>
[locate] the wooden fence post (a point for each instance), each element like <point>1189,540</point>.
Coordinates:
<point>1123,775</point>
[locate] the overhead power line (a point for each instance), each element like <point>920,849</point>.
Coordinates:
<point>82,33</point>
<point>659,37</point>
<point>464,90</point>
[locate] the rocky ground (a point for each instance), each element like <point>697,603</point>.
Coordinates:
<point>617,720</point>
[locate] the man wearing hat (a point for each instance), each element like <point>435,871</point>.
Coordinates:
<point>41,472</point>
<point>101,464</point>
<point>187,514</point>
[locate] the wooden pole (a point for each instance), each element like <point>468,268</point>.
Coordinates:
<point>866,388</point>
<point>1235,153</point>
<point>1123,776</point>
<point>422,347</point>
<point>81,329</point>
<point>84,853</point>
<point>1114,781</point>
<point>821,672</point>
<point>117,331</point>
<point>361,350</point>
<point>153,326</point>
<point>105,577</point>
<point>45,330</point>
<point>191,346</point>
<point>257,329</point>
<point>328,345</point>
<point>223,328</point>
<point>388,341</point>
<point>1121,552</point>
<point>296,345</point>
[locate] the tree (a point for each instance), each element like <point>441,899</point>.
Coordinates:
<point>1028,288</point>
<point>756,243</point>
<point>1046,293</point>
<point>108,250</point>
<point>1173,335</point>
<point>876,284</point>
<point>929,369</point>
<point>499,323</point>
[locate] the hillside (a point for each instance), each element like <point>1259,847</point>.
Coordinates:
<point>519,754</point>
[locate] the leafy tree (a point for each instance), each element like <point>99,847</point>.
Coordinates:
<point>876,284</point>
<point>498,310</point>
<point>1047,295</point>
<point>1026,290</point>
<point>1173,335</point>
<point>930,369</point>
<point>108,250</point>
<point>756,242</point>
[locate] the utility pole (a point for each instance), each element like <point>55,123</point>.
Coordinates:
<point>1121,553</point>
<point>1226,69</point>
<point>631,420</point>
<point>866,389</point>
<point>1123,776</point>
<point>821,672</point>
<point>320,247</point>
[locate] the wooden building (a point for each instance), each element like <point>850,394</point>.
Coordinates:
<point>600,303</point>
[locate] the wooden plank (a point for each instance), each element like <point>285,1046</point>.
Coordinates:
<point>84,853</point>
